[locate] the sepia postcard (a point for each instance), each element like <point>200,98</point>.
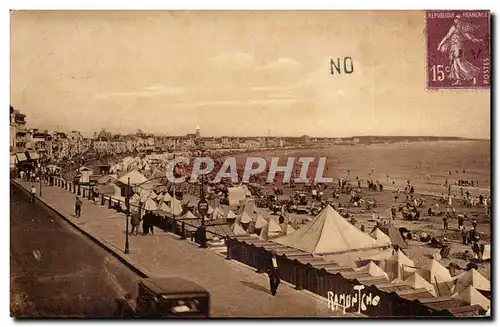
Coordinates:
<point>250,164</point>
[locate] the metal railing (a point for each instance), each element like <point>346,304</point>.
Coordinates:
<point>180,227</point>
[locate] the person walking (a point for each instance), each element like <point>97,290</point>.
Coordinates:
<point>274,277</point>
<point>78,207</point>
<point>445,222</point>
<point>33,194</point>
<point>135,221</point>
<point>461,222</point>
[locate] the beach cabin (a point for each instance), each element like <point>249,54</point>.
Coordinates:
<point>85,174</point>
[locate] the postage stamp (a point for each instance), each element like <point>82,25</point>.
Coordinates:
<point>458,49</point>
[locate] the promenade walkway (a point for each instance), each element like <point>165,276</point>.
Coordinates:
<point>236,290</point>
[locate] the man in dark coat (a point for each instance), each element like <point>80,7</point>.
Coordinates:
<point>148,223</point>
<point>274,277</point>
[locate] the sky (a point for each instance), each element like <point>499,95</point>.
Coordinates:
<point>234,73</point>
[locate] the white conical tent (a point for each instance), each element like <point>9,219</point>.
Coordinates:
<point>487,252</point>
<point>134,202</point>
<point>273,226</point>
<point>249,207</point>
<point>175,206</point>
<point>167,197</point>
<point>164,207</point>
<point>150,205</point>
<point>289,229</point>
<point>471,278</point>
<point>328,232</point>
<point>135,178</point>
<point>189,215</point>
<point>217,214</point>
<point>399,264</point>
<point>417,282</point>
<point>473,297</point>
<point>372,269</point>
<point>238,230</point>
<point>136,198</point>
<point>230,215</point>
<point>260,222</point>
<point>380,237</point>
<point>245,218</point>
<point>438,273</point>
<point>144,195</point>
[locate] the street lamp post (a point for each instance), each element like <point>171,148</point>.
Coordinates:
<point>40,177</point>
<point>127,216</point>
<point>203,210</point>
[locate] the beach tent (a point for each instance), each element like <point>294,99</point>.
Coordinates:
<point>216,214</point>
<point>150,205</point>
<point>238,230</point>
<point>144,195</point>
<point>328,232</point>
<point>487,252</point>
<point>372,269</point>
<point>380,237</point>
<point>135,178</point>
<point>472,296</point>
<point>471,278</point>
<point>134,202</point>
<point>245,218</point>
<point>438,273</point>
<point>260,222</point>
<point>247,212</point>
<point>135,198</point>
<point>399,264</point>
<point>163,206</point>
<point>249,207</point>
<point>189,215</point>
<point>175,206</point>
<point>418,282</point>
<point>289,229</point>
<point>167,197</point>
<point>273,226</point>
<point>230,215</point>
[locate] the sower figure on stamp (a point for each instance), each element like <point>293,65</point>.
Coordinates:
<point>274,277</point>
<point>454,44</point>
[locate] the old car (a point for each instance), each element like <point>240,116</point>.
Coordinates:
<point>165,297</point>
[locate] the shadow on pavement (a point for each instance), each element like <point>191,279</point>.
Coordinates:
<point>255,286</point>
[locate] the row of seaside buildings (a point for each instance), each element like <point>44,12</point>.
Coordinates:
<point>64,145</point>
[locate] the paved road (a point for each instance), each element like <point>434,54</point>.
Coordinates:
<point>55,271</point>
<point>235,290</point>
